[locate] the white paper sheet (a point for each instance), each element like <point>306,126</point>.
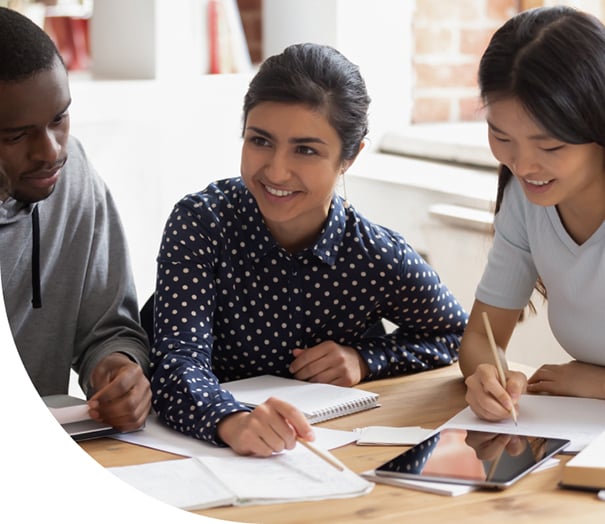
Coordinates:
<point>392,436</point>
<point>578,419</point>
<point>157,435</point>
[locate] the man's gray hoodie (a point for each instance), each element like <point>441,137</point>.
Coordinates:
<point>68,287</point>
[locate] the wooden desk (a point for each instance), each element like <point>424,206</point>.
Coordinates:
<point>427,399</point>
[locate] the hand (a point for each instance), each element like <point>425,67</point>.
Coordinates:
<point>329,363</point>
<point>574,379</point>
<point>122,393</point>
<point>486,396</point>
<point>272,427</point>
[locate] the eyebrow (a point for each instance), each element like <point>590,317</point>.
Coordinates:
<point>295,140</point>
<point>24,128</point>
<point>539,136</point>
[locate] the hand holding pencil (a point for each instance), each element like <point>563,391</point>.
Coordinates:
<point>499,362</point>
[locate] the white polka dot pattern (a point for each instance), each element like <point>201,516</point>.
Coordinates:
<point>230,303</point>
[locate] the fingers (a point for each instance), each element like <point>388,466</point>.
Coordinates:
<point>329,363</point>
<point>124,401</point>
<point>272,427</point>
<point>486,396</point>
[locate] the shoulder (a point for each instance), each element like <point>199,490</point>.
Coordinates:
<point>78,175</point>
<point>222,204</point>
<point>219,195</point>
<point>374,237</point>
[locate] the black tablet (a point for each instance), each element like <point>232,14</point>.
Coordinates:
<point>475,458</point>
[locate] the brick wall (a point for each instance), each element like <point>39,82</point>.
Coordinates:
<point>449,38</point>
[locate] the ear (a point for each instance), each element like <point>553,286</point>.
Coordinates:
<point>346,164</point>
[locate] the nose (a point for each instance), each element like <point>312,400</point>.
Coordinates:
<point>46,147</point>
<point>523,162</point>
<point>277,169</point>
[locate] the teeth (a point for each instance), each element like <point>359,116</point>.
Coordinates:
<point>538,182</point>
<point>278,192</point>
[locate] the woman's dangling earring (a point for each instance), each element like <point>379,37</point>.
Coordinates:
<point>344,191</point>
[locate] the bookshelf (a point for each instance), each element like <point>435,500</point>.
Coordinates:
<point>157,39</point>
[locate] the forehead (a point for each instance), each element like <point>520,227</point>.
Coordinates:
<point>35,100</point>
<point>510,116</point>
<point>294,119</point>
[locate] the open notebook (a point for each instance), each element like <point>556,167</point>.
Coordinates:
<point>318,402</point>
<point>210,481</point>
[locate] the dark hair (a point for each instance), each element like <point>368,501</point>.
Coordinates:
<point>552,60</point>
<point>25,49</point>
<point>322,78</point>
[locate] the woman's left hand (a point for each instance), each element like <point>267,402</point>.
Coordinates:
<point>329,363</point>
<point>574,379</point>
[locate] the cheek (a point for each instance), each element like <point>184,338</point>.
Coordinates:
<point>499,150</point>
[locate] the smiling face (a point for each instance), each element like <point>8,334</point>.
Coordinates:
<point>34,128</point>
<point>291,163</point>
<point>551,172</point>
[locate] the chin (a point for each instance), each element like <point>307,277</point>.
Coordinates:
<point>29,197</point>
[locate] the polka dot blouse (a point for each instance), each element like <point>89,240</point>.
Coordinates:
<point>230,303</point>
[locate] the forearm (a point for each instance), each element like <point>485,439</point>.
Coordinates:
<point>398,354</point>
<point>474,350</point>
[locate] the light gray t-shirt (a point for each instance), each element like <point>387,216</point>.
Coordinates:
<point>530,240</point>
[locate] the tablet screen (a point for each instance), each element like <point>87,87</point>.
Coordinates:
<point>476,458</point>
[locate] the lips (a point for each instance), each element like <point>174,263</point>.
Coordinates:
<point>538,183</point>
<point>278,192</point>
<point>44,178</point>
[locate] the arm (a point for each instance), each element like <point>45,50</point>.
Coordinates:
<point>485,395</point>
<point>111,348</point>
<point>187,393</point>
<point>430,323</point>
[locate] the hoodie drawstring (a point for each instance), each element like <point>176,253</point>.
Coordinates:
<point>36,294</point>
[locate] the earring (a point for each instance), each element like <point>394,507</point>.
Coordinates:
<point>344,191</point>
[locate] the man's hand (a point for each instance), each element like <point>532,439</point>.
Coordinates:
<point>122,395</point>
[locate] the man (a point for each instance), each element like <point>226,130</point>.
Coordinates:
<point>68,287</point>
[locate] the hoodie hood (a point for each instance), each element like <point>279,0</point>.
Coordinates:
<point>12,210</point>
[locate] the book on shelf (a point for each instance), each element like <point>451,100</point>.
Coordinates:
<point>227,44</point>
<point>210,481</point>
<point>317,401</point>
<point>587,469</point>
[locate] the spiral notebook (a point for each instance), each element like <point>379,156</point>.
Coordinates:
<point>318,402</point>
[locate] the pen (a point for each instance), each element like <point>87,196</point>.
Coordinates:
<point>501,376</point>
<point>322,454</point>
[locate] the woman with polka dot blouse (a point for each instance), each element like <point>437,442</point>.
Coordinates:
<point>542,79</point>
<point>272,273</point>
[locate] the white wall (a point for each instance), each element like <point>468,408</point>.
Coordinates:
<point>153,142</point>
<point>375,35</point>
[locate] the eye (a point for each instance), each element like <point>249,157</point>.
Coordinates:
<point>500,138</point>
<point>13,139</point>
<point>258,141</point>
<point>306,150</point>
<point>552,149</point>
<point>59,119</point>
